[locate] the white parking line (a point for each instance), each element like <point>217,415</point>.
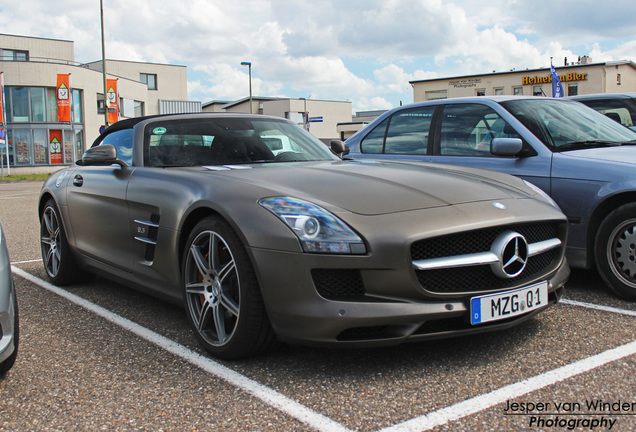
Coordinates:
<point>598,307</point>
<point>26,262</point>
<point>323,423</point>
<point>512,391</point>
<point>265,394</point>
<point>18,195</point>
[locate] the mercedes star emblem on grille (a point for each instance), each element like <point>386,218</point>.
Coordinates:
<point>512,250</point>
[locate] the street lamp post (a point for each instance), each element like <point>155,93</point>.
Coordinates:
<point>101,11</point>
<point>249,65</point>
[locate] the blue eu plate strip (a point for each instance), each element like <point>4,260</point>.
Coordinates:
<point>475,311</point>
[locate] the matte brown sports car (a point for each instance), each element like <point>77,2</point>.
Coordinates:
<point>264,234</point>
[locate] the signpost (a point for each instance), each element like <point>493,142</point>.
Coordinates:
<point>315,119</point>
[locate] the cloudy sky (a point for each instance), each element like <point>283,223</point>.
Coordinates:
<point>363,51</point>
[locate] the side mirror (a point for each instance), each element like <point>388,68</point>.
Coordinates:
<point>506,146</point>
<point>102,155</point>
<point>339,148</point>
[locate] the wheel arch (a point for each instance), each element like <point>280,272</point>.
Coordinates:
<point>44,198</point>
<point>600,213</point>
<point>193,218</point>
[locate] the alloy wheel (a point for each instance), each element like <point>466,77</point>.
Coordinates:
<point>50,238</point>
<point>212,287</point>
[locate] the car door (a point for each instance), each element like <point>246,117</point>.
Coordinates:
<point>465,132</point>
<point>98,209</point>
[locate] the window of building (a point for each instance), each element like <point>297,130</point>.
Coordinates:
<point>537,91</point>
<point>480,92</point>
<point>296,117</point>
<point>499,91</point>
<point>79,144</point>
<point>573,89</point>
<point>38,104</point>
<point>19,104</point>
<point>67,146</point>
<point>51,104</point>
<point>100,104</point>
<point>517,91</point>
<point>618,79</point>
<point>436,94</point>
<point>40,147</point>
<point>78,105</point>
<point>149,79</point>
<point>139,109</point>
<point>21,140</point>
<point>14,55</point>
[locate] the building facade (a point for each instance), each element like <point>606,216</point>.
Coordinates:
<point>322,120</point>
<point>581,77</point>
<point>30,68</point>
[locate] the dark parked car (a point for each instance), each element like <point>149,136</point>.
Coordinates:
<point>300,246</point>
<point>620,107</point>
<point>584,160</point>
<point>9,329</point>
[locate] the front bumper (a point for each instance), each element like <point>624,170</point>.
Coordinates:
<point>299,314</point>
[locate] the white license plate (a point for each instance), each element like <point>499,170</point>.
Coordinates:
<point>493,307</point>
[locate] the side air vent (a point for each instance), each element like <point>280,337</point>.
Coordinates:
<point>147,232</point>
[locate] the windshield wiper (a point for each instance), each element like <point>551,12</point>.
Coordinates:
<point>587,144</point>
<point>632,142</point>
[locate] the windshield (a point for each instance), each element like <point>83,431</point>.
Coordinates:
<point>567,125</point>
<point>229,141</point>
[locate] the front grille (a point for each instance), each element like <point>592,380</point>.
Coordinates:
<point>481,278</point>
<point>338,284</point>
<point>479,240</point>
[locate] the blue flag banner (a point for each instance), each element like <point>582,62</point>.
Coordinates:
<point>557,88</point>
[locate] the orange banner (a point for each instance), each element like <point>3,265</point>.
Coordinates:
<point>55,146</point>
<point>1,98</point>
<point>113,99</point>
<point>63,98</point>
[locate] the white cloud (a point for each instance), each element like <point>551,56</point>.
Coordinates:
<point>365,51</point>
<point>372,104</point>
<point>625,51</point>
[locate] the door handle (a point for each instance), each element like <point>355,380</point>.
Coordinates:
<point>78,180</point>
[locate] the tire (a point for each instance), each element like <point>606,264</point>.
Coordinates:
<point>615,251</point>
<point>9,362</point>
<point>58,260</point>
<point>222,296</point>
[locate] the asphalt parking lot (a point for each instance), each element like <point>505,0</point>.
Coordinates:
<point>101,356</point>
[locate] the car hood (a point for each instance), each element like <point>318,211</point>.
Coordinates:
<point>622,154</point>
<point>356,186</point>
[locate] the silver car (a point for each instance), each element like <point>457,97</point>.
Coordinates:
<point>620,107</point>
<point>300,246</point>
<point>8,311</point>
<point>581,158</point>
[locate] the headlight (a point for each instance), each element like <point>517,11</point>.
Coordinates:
<point>544,195</point>
<point>317,229</point>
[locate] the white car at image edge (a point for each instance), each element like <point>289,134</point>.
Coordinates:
<point>8,311</point>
